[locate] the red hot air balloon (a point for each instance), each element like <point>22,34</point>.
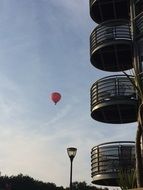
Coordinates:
<point>55,96</point>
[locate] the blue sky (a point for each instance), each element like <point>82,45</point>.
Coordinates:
<point>44,47</point>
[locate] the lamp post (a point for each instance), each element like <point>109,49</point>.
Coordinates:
<point>71,153</point>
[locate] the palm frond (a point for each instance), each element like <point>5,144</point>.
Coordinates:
<point>126,179</point>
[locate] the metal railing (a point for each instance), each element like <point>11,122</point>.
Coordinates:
<point>110,31</point>
<point>111,157</point>
<point>111,87</point>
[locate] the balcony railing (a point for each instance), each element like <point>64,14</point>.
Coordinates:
<point>111,31</point>
<point>108,159</point>
<point>114,100</point>
<point>116,86</point>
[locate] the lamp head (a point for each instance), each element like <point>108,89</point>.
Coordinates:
<point>71,152</point>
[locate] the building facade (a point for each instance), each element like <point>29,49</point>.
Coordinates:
<point>116,45</point>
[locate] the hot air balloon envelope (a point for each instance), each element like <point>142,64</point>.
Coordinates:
<point>55,96</point>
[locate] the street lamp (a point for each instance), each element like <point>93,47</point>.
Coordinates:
<point>71,153</point>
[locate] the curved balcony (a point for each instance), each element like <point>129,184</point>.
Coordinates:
<point>111,46</point>
<point>114,100</point>
<point>108,159</point>
<point>103,10</point>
